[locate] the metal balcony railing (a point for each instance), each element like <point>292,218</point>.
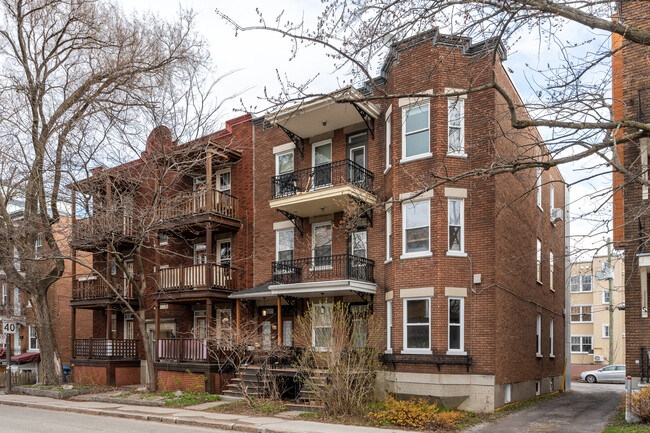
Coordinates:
<point>324,268</point>
<point>344,172</point>
<point>102,348</point>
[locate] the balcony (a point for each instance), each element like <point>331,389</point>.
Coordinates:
<point>326,268</point>
<point>93,232</point>
<point>105,349</point>
<point>199,207</point>
<point>183,350</point>
<point>322,189</point>
<point>193,280</point>
<point>94,290</point>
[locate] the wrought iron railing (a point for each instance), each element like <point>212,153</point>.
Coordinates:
<point>344,172</point>
<point>97,289</point>
<point>201,276</point>
<point>644,234</point>
<point>324,268</point>
<point>198,202</point>
<point>101,348</point>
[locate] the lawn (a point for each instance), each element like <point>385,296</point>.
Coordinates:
<point>619,425</point>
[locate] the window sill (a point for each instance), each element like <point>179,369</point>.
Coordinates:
<point>320,268</point>
<point>388,169</point>
<point>456,254</point>
<point>387,261</point>
<point>551,356</point>
<point>457,155</point>
<point>416,157</point>
<point>540,208</point>
<point>456,353</point>
<point>416,352</point>
<point>539,356</point>
<point>388,351</point>
<point>416,255</point>
<point>540,283</point>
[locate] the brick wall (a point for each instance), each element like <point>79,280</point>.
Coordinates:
<point>89,375</point>
<point>180,380</point>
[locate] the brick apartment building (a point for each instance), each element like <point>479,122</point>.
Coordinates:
<point>468,276</point>
<point>631,95</point>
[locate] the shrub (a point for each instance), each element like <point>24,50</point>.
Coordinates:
<point>414,413</point>
<point>640,404</point>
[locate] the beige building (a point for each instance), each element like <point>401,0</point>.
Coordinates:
<point>590,329</point>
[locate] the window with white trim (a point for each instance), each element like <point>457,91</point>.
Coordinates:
<point>284,180</point>
<point>539,261</point>
<point>581,283</point>
<point>581,313</point>
<point>33,339</point>
<point>389,233</point>
<point>551,196</point>
<point>113,266</point>
<point>163,239</point>
<point>456,125</point>
<point>5,294</point>
<point>551,266</point>
<point>581,344</point>
<point>605,331</point>
<point>605,296</point>
<point>39,241</point>
<point>538,186</point>
<point>644,142</point>
<point>551,335</point>
<point>456,222</point>
<point>322,245</point>
<point>389,125</point>
<point>456,325</point>
<point>223,181</point>
<point>416,227</point>
<point>539,335</point>
<point>415,131</point>
<point>389,326</point>
<point>417,325</point>
<point>322,326</point>
<point>284,245</point>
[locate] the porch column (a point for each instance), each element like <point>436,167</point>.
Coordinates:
<point>208,179</point>
<point>211,257</point>
<point>73,327</point>
<point>237,316</point>
<point>109,316</point>
<point>155,340</point>
<point>279,321</point>
<point>208,316</point>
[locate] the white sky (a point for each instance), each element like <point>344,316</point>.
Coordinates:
<point>260,56</point>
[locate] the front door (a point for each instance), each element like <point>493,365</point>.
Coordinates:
<point>322,164</point>
<point>266,335</point>
<point>358,266</point>
<point>200,325</point>
<point>357,172</point>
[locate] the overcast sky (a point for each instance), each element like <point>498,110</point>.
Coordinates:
<point>259,56</point>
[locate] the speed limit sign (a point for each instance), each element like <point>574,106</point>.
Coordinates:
<point>9,327</point>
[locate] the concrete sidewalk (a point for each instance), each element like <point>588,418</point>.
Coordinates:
<point>188,416</point>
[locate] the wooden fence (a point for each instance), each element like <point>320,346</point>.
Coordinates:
<point>18,378</point>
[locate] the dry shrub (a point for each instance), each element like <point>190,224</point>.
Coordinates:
<point>415,413</point>
<point>640,404</point>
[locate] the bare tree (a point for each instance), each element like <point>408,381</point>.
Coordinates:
<point>71,71</point>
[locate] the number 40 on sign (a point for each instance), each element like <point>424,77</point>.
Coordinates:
<point>9,327</point>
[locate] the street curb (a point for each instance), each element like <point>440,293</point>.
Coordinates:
<point>144,417</point>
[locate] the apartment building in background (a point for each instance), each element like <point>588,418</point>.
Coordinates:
<point>590,326</point>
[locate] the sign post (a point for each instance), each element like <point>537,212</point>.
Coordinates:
<point>628,398</point>
<point>9,328</point>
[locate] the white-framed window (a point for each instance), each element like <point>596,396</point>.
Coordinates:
<point>538,186</point>
<point>33,339</point>
<point>551,265</point>
<point>322,245</point>
<point>417,325</point>
<point>456,225</point>
<point>551,196</point>
<point>551,335</point>
<point>456,325</point>
<point>163,239</point>
<point>113,266</point>
<point>322,326</point>
<point>416,223</point>
<point>224,252</point>
<point>39,241</point>
<point>605,331</point>
<point>644,143</point>
<point>284,245</point>
<point>389,326</point>
<point>605,296</point>
<point>5,294</point>
<point>581,344</point>
<point>200,324</point>
<point>16,302</point>
<point>389,130</point>
<point>581,313</point>
<point>415,132</point>
<point>581,283</point>
<point>539,261</point>
<point>16,259</point>
<point>284,181</point>
<point>200,254</point>
<point>389,234</point>
<point>456,125</point>
<point>223,181</point>
<point>129,328</point>
<point>539,335</point>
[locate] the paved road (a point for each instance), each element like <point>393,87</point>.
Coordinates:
<point>584,410</point>
<point>15,419</point>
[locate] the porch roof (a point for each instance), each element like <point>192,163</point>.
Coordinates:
<point>257,292</point>
<point>308,290</point>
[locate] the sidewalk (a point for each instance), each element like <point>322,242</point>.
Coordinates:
<point>189,416</point>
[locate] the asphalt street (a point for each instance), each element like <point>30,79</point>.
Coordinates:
<point>15,419</point>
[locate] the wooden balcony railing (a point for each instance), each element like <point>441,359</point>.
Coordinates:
<point>199,202</point>
<point>96,288</point>
<point>101,348</point>
<point>100,227</point>
<point>325,268</point>
<point>183,350</point>
<point>194,277</point>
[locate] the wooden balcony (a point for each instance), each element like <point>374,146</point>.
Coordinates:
<point>96,291</point>
<point>92,233</point>
<point>200,207</point>
<point>194,281</point>
<point>183,350</point>
<point>105,349</point>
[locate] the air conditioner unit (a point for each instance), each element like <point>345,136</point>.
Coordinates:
<point>598,358</point>
<point>557,214</point>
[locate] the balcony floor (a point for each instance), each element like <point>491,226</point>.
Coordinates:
<point>322,201</point>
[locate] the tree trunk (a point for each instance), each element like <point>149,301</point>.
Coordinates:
<point>152,384</point>
<point>50,358</point>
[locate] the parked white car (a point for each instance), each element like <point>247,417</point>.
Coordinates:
<point>610,373</point>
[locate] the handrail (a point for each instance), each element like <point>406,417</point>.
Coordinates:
<point>344,172</point>
<point>200,201</point>
<point>102,348</point>
<point>202,276</point>
<point>98,289</point>
<point>324,268</point>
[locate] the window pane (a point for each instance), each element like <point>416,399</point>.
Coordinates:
<point>454,212</point>
<point>455,112</point>
<point>322,235</point>
<point>224,181</point>
<point>322,337</point>
<point>284,256</point>
<point>417,118</point>
<point>417,337</point>
<point>323,154</point>
<point>417,311</point>
<point>454,337</point>
<point>454,238</point>
<point>417,143</point>
<point>575,283</point>
<point>285,163</point>
<point>360,244</point>
<point>454,311</point>
<point>417,240</point>
<point>324,251</point>
<point>285,240</point>
<point>417,214</point>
